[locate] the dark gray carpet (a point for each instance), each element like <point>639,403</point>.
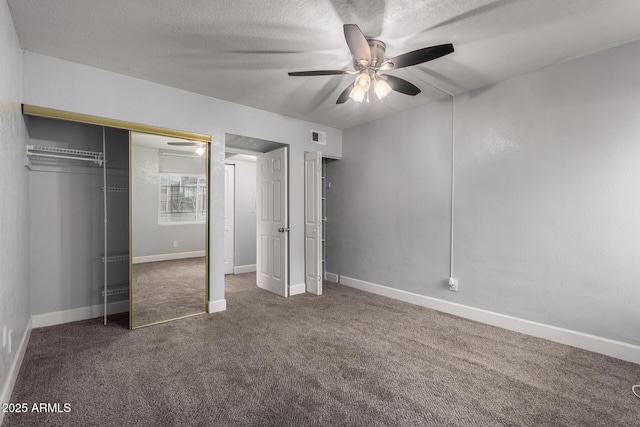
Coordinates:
<point>168,289</point>
<point>346,358</point>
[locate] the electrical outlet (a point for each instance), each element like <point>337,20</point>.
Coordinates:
<point>9,340</point>
<point>175,243</point>
<point>4,336</point>
<point>453,284</point>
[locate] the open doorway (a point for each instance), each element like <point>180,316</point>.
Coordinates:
<point>245,239</point>
<point>240,214</point>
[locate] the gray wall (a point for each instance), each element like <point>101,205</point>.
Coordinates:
<point>245,213</point>
<point>547,211</point>
<point>14,209</point>
<point>150,238</point>
<point>389,201</point>
<point>546,198</point>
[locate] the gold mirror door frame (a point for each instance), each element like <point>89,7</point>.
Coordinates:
<point>168,223</point>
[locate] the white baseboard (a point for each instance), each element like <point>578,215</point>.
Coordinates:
<point>167,257</point>
<point>5,397</point>
<point>298,289</point>
<point>239,269</point>
<point>332,277</point>
<point>608,347</point>
<point>76,314</point>
<point>217,306</point>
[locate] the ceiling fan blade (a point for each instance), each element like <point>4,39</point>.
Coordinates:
<point>321,73</point>
<point>419,56</point>
<point>357,43</point>
<point>344,96</point>
<point>184,144</point>
<point>401,85</point>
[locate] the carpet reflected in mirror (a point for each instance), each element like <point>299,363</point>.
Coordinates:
<point>165,290</point>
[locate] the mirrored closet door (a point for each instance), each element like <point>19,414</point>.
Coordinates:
<point>168,242</point>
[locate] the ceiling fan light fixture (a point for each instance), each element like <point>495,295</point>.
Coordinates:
<point>363,81</point>
<point>360,87</point>
<point>357,93</point>
<point>381,88</point>
<point>200,151</point>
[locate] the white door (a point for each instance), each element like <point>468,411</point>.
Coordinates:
<point>272,272</point>
<point>229,210</point>
<point>313,222</point>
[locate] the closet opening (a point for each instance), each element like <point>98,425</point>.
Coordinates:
<point>79,175</point>
<point>84,176</point>
<point>326,189</point>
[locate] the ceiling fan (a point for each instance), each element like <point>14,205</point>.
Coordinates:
<point>184,144</point>
<point>199,151</point>
<point>368,59</point>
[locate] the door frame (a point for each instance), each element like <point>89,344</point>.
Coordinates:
<point>229,204</point>
<point>236,150</point>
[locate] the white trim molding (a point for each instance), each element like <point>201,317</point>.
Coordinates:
<point>167,257</point>
<point>5,397</point>
<point>608,347</point>
<point>298,289</point>
<point>239,269</point>
<point>332,277</point>
<point>76,314</point>
<point>217,306</point>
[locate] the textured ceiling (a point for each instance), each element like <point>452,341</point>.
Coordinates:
<point>241,51</point>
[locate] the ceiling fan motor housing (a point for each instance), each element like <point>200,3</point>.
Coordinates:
<point>377,49</point>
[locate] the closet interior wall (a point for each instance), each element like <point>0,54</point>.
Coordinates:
<point>326,186</point>
<point>67,218</point>
<point>116,149</point>
<point>324,217</point>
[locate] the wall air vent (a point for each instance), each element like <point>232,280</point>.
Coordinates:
<point>318,137</point>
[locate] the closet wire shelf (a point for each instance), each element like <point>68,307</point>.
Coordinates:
<point>116,257</point>
<point>35,151</point>
<point>116,189</point>
<point>122,288</point>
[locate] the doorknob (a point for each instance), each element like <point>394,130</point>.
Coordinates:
<point>282,229</point>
